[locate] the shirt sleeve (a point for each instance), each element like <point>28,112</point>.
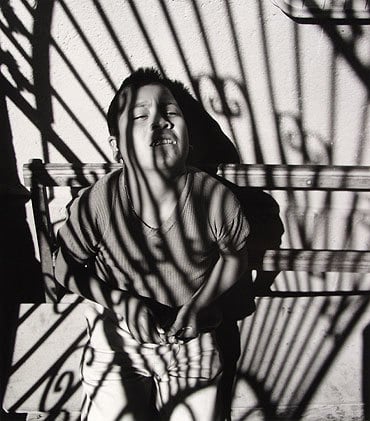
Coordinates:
<point>230,226</point>
<point>81,233</point>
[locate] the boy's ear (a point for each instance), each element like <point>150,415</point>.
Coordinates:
<point>113,143</point>
<point>114,146</point>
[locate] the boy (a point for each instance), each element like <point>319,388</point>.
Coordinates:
<point>152,246</point>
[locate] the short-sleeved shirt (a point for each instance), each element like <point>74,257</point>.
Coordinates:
<point>166,264</point>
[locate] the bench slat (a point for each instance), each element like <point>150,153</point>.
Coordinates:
<point>268,177</point>
<point>65,175</point>
<point>299,177</point>
<point>314,261</point>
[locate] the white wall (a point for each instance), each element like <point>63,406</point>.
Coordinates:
<point>297,93</point>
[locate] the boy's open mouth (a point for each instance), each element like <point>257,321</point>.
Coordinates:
<point>163,141</point>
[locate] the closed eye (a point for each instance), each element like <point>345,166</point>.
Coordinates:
<point>140,117</point>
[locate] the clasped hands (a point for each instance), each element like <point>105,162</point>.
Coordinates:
<point>145,329</point>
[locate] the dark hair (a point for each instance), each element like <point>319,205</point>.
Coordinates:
<point>209,145</point>
<point>141,77</point>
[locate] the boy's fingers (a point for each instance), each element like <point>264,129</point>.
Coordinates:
<point>172,331</point>
<point>135,334</point>
<point>147,337</point>
<point>184,333</point>
<point>156,337</point>
<point>150,335</point>
<point>174,327</point>
<point>187,332</point>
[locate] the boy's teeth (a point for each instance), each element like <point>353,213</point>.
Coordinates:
<point>164,142</point>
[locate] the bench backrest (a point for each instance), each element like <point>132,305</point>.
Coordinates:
<point>39,176</point>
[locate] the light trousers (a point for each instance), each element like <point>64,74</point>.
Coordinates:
<point>125,380</point>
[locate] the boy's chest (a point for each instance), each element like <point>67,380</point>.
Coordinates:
<point>184,234</point>
<point>157,215</point>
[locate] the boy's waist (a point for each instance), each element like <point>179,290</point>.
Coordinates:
<point>164,315</point>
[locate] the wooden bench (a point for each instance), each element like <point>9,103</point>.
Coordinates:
<point>44,372</point>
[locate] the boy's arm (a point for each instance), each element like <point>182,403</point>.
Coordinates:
<point>230,229</point>
<point>78,279</point>
<point>78,239</point>
<point>226,272</point>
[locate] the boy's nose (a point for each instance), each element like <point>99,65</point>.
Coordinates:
<point>161,122</point>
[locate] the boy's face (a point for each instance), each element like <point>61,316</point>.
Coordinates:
<point>152,130</point>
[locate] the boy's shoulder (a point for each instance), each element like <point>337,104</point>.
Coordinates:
<point>202,177</point>
<point>104,184</point>
<point>99,195</point>
<point>212,194</point>
<point>208,184</point>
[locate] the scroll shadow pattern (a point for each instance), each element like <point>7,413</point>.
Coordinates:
<point>263,347</point>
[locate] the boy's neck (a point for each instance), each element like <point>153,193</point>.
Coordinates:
<point>152,185</point>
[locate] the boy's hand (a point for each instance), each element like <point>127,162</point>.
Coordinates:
<point>140,321</point>
<point>185,326</point>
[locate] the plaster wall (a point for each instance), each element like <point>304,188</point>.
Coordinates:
<point>283,91</point>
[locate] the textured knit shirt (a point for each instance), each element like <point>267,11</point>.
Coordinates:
<point>167,264</point>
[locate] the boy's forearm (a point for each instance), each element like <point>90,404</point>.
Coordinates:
<point>138,317</point>
<point>227,271</point>
<point>76,279</point>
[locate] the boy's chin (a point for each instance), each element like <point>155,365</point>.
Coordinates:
<point>169,166</point>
